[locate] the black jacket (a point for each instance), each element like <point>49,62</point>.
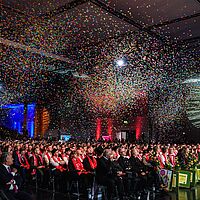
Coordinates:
<point>137,165</point>
<point>87,165</point>
<point>5,177</point>
<point>124,163</point>
<point>104,168</point>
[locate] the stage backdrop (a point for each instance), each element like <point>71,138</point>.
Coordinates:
<point>12,117</point>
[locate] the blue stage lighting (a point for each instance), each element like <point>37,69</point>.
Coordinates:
<point>14,118</point>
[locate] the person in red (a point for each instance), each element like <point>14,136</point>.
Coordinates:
<point>23,160</point>
<point>24,165</point>
<point>172,161</point>
<point>77,171</point>
<point>90,165</point>
<point>37,166</point>
<point>36,160</point>
<point>16,154</point>
<point>56,161</point>
<point>80,153</point>
<point>75,164</point>
<point>89,162</point>
<point>163,158</point>
<point>65,156</point>
<point>48,156</point>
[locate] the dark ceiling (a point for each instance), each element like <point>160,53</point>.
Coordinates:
<point>41,40</point>
<point>75,24</point>
<point>60,29</point>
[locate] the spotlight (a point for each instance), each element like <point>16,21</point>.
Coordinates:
<point>192,80</point>
<point>120,63</point>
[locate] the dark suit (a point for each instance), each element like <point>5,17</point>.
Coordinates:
<point>105,176</point>
<point>124,163</point>
<point>16,162</point>
<point>6,177</point>
<point>120,181</point>
<point>137,167</point>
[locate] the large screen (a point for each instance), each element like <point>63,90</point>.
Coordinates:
<point>65,137</point>
<point>193,101</point>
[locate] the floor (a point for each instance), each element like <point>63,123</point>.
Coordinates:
<point>179,194</point>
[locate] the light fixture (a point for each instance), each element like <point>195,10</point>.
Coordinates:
<point>70,72</point>
<point>192,80</point>
<point>121,62</point>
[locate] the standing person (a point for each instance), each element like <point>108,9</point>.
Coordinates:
<point>9,179</point>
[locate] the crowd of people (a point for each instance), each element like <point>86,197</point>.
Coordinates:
<point>124,169</point>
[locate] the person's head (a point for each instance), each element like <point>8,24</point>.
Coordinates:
<point>99,151</point>
<point>90,150</point>
<point>79,151</point>
<point>30,148</point>
<point>171,150</point>
<point>6,158</point>
<point>22,151</point>
<point>114,155</point>
<point>73,154</point>
<point>122,151</point>
<point>107,153</point>
<point>63,149</point>
<point>37,151</point>
<point>67,151</point>
<point>55,152</point>
<point>134,151</point>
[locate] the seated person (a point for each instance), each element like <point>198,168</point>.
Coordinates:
<point>9,179</point>
<point>37,166</point>
<point>138,170</point>
<point>104,173</point>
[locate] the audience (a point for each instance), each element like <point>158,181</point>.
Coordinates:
<point>124,169</point>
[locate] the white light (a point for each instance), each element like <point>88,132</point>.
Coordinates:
<point>120,62</point>
<point>192,80</point>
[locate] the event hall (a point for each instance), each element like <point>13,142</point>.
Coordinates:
<point>100,100</point>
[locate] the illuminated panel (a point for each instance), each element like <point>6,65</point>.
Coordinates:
<point>45,121</point>
<point>138,127</point>
<point>31,119</point>
<point>193,103</point>
<point>98,129</point>
<point>14,118</point>
<point>110,127</point>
